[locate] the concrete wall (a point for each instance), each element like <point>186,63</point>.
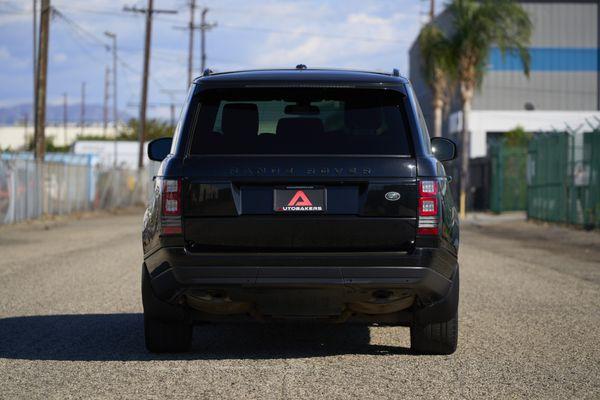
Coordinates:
<point>15,136</point>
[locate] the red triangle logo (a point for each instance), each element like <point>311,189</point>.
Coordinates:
<point>299,199</point>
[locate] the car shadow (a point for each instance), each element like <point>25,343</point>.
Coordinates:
<point>119,337</point>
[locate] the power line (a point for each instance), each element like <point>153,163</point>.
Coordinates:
<point>92,38</point>
<point>115,13</point>
<point>191,42</point>
<point>80,29</point>
<point>246,28</point>
<point>302,32</point>
<point>203,27</point>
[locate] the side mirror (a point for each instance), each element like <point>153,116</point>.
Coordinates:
<point>158,149</point>
<point>443,149</point>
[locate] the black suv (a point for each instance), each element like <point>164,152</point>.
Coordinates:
<point>301,195</point>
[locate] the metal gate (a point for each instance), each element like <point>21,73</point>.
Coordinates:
<point>508,188</point>
<point>563,178</point>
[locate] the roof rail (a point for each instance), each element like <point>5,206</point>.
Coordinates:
<point>395,72</point>
<point>207,72</point>
<point>301,66</point>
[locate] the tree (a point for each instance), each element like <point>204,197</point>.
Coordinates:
<point>438,69</point>
<point>477,26</point>
<point>154,129</point>
<point>49,146</point>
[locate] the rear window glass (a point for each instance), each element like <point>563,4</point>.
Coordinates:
<point>300,121</point>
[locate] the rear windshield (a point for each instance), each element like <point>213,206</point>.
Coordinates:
<point>300,121</point>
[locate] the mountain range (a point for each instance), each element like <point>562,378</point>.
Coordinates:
<point>16,114</point>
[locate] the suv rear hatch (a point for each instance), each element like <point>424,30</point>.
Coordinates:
<point>299,169</point>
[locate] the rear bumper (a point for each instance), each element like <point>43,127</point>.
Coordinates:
<point>248,268</point>
<point>427,274</point>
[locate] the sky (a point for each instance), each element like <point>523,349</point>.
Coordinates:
<point>355,34</point>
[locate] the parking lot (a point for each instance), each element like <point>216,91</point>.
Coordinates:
<point>71,325</point>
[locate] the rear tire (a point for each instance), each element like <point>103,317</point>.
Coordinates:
<point>167,336</point>
<point>166,327</point>
<point>435,338</point>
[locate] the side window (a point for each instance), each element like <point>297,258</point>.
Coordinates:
<point>423,124</point>
<point>181,120</point>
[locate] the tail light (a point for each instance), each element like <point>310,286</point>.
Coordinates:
<point>428,208</point>
<point>171,207</point>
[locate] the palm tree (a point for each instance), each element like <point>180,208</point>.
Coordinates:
<point>477,26</point>
<point>438,69</point>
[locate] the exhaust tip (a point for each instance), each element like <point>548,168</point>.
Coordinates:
<point>381,294</point>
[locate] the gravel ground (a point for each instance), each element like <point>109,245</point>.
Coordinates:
<point>70,326</point>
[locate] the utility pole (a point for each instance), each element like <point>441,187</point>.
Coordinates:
<point>115,112</point>
<point>171,93</point>
<point>431,10</point>
<point>26,123</point>
<point>40,142</point>
<point>82,111</point>
<point>204,26</point>
<point>149,11</point>
<point>65,117</point>
<point>142,133</point>
<point>191,43</point>
<point>35,63</point>
<point>105,104</point>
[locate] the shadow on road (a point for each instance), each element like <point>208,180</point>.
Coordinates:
<point>119,337</point>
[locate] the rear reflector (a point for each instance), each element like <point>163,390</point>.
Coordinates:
<point>427,231</point>
<point>428,208</point>
<point>171,230</point>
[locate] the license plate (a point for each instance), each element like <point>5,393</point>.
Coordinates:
<point>300,200</point>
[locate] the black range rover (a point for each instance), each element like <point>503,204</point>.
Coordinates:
<point>301,195</point>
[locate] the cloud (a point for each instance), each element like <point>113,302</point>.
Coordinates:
<point>10,61</point>
<point>59,58</point>
<point>362,34</point>
<point>350,42</point>
<point>4,54</point>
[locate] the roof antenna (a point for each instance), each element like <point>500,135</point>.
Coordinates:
<point>300,66</point>
<point>395,72</point>
<point>207,72</point>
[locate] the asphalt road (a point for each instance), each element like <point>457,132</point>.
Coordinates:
<point>70,326</point>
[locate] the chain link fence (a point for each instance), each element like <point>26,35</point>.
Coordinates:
<point>30,190</point>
